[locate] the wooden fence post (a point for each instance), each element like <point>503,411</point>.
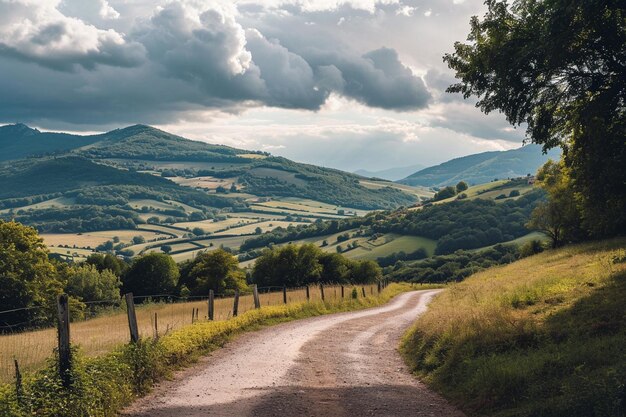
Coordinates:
<point>363,289</point>
<point>236,304</point>
<point>132,318</point>
<point>379,287</point>
<point>342,294</point>
<point>65,352</point>
<point>255,295</point>
<point>211,305</point>
<point>156,325</point>
<point>322,291</point>
<point>284,294</point>
<point>371,290</point>
<point>308,295</point>
<point>19,389</point>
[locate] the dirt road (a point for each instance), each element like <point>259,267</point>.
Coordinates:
<point>336,365</point>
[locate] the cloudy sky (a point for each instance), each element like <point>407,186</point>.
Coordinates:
<point>343,83</point>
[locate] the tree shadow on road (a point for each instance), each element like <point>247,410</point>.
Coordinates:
<point>374,400</point>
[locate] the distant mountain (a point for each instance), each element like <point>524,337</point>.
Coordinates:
<point>33,163</point>
<point>138,142</point>
<point>20,141</point>
<point>149,143</point>
<point>483,167</point>
<point>391,174</point>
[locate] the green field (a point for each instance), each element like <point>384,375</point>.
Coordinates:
<point>279,174</point>
<point>270,208</point>
<point>519,241</point>
<point>394,244</point>
<point>421,192</point>
<point>161,205</point>
<point>251,228</point>
<point>93,239</point>
<point>55,202</point>
<point>212,226</point>
<point>73,254</point>
<point>491,190</point>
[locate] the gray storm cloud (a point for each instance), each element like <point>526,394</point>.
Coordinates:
<point>185,56</point>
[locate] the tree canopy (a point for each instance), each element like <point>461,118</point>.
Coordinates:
<point>558,66</point>
<point>27,277</point>
<point>216,270</point>
<point>152,274</point>
<point>298,265</point>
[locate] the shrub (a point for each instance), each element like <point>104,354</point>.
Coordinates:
<point>531,248</point>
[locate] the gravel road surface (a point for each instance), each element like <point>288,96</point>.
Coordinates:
<point>343,364</point>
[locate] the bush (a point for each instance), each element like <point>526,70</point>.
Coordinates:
<point>444,193</point>
<point>531,248</point>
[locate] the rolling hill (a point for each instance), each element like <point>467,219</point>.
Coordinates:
<point>139,150</point>
<point>483,167</point>
<point>20,141</point>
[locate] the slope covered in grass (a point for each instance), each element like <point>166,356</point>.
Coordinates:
<point>544,336</point>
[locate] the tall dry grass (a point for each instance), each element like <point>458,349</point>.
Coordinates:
<point>101,335</point>
<point>542,336</point>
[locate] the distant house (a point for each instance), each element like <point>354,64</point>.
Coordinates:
<point>531,180</point>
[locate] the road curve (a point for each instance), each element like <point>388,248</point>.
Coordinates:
<point>342,364</point>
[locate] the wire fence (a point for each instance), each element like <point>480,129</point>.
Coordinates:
<point>103,326</point>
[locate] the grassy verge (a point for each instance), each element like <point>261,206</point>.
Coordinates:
<point>102,386</point>
<point>544,336</point>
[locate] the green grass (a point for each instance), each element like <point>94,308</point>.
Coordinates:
<point>103,385</point>
<point>383,246</point>
<point>543,336</point>
<point>397,243</point>
<point>519,241</point>
<point>491,190</point>
<point>58,202</point>
<point>418,191</point>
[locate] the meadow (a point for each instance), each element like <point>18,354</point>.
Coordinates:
<point>543,336</point>
<point>103,334</point>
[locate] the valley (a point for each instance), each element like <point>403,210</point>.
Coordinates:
<point>142,190</point>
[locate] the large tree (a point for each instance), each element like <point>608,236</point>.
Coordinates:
<point>152,274</point>
<point>558,217</point>
<point>215,270</point>
<point>27,277</point>
<point>558,66</point>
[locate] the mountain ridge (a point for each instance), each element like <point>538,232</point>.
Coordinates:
<point>391,174</point>
<point>145,149</point>
<point>482,167</point>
